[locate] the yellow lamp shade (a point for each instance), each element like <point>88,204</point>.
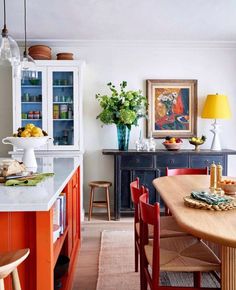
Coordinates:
<point>216,107</point>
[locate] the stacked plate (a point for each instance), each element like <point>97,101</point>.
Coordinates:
<point>40,52</point>
<point>65,56</point>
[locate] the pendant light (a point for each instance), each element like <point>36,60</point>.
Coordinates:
<point>28,65</point>
<point>9,50</point>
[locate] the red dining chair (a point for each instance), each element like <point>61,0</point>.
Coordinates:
<point>184,171</point>
<point>175,254</point>
<point>169,227</point>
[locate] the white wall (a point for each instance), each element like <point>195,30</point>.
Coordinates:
<point>212,64</point>
<point>5,107</point>
<point>214,68</point>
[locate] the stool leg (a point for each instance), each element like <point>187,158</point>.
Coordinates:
<point>15,280</point>
<point>108,203</point>
<point>91,203</point>
<point>2,284</point>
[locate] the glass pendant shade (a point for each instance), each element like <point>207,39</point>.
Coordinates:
<point>28,68</point>
<point>9,50</point>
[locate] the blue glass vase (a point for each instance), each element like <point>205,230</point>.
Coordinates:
<point>123,133</point>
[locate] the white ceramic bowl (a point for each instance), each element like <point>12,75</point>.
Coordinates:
<point>172,146</point>
<point>28,144</point>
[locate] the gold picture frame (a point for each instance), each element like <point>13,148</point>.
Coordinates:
<point>172,108</point>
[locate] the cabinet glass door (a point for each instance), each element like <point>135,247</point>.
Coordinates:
<point>63,108</point>
<point>32,102</point>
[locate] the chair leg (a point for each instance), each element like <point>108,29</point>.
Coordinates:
<point>108,203</point>
<point>197,279</point>
<point>135,255</point>
<point>15,280</point>
<point>91,203</point>
<point>2,284</point>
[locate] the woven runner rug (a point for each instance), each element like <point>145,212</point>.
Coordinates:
<point>116,265</point>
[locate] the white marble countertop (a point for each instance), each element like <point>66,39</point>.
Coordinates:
<point>42,196</point>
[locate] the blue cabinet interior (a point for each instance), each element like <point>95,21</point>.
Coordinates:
<point>31,102</point>
<point>62,106</point>
<point>63,115</point>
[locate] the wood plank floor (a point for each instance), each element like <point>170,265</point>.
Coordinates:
<point>86,271</point>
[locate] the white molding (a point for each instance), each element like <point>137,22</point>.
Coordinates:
<point>161,44</point>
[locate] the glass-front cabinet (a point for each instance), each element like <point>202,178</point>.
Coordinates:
<point>52,102</point>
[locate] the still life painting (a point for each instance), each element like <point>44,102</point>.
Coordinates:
<point>172,108</point>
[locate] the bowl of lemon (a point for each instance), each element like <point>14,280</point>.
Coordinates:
<point>197,141</point>
<point>28,138</point>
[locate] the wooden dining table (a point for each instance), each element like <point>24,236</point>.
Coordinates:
<point>215,226</point>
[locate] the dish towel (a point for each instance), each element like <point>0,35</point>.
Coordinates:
<point>31,181</point>
<point>209,198</point>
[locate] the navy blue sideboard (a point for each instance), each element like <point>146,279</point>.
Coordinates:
<point>150,165</point>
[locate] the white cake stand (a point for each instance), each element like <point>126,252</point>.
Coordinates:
<point>28,144</point>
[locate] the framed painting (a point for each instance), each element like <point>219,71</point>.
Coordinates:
<point>172,109</point>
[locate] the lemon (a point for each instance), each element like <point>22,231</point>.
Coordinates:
<point>36,132</point>
<point>29,127</point>
<point>25,133</point>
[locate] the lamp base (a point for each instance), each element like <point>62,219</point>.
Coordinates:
<point>215,146</point>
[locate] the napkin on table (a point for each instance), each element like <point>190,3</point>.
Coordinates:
<point>209,198</point>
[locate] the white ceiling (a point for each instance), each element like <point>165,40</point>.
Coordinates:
<point>190,20</point>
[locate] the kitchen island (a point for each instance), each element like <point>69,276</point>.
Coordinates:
<point>26,221</point>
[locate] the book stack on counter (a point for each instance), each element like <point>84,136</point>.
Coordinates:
<point>59,216</point>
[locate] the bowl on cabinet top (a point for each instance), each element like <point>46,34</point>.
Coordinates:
<point>42,48</point>
<point>172,146</point>
<point>65,56</point>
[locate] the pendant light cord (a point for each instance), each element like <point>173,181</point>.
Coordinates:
<point>4,30</point>
<point>25,51</point>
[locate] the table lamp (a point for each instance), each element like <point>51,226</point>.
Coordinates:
<point>216,107</point>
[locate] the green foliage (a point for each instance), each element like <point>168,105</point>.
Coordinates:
<point>122,107</point>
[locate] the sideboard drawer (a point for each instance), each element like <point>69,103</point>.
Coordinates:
<point>137,161</point>
<point>172,160</point>
<point>205,160</point>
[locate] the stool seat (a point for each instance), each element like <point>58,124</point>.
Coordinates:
<point>8,265</point>
<point>99,203</point>
<point>100,183</point>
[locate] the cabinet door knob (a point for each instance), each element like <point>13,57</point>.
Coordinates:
<point>172,161</point>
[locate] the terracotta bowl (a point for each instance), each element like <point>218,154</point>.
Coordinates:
<point>172,146</point>
<point>65,56</point>
<point>36,48</point>
<point>40,56</point>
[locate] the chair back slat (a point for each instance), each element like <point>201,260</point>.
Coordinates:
<point>135,191</point>
<point>186,171</point>
<point>150,215</point>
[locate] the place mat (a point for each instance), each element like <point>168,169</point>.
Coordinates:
<point>223,206</point>
<point>28,181</point>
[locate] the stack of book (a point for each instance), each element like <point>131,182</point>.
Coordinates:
<point>59,216</point>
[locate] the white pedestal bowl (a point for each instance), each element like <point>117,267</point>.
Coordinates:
<point>28,144</point>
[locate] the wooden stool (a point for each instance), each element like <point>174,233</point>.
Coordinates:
<point>8,265</point>
<point>93,203</point>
